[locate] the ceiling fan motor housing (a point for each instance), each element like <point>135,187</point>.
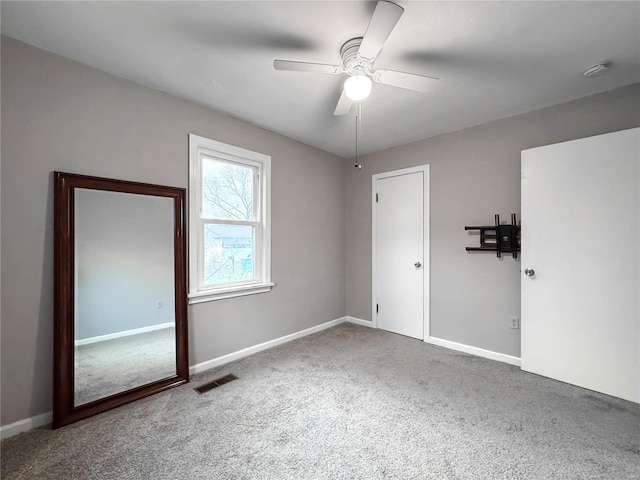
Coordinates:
<point>352,61</point>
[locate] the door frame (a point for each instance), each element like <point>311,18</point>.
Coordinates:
<point>426,262</point>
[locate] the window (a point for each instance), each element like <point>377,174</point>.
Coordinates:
<point>229,224</point>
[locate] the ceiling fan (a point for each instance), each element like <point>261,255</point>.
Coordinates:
<point>358,56</point>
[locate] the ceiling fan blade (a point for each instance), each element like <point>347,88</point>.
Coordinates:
<point>410,81</point>
<point>384,19</point>
<point>344,105</point>
<point>307,67</point>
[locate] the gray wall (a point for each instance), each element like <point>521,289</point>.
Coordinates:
<point>475,173</point>
<point>60,115</point>
<point>123,260</point>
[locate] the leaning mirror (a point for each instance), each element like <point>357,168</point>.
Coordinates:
<point>120,320</point>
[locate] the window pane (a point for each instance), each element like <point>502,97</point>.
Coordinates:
<point>227,190</point>
<point>228,253</point>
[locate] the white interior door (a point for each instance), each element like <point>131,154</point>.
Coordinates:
<point>401,261</point>
<point>581,238</point>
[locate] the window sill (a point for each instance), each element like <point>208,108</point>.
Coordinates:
<point>229,292</point>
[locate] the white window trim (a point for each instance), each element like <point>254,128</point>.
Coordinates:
<point>199,146</point>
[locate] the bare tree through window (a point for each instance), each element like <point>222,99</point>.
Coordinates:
<point>227,192</point>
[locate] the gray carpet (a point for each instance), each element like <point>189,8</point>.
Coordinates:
<point>348,403</point>
<point>113,366</point>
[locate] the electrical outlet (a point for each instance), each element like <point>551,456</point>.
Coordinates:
<point>160,304</point>
<point>515,323</point>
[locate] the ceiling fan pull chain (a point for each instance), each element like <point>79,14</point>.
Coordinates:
<point>358,131</point>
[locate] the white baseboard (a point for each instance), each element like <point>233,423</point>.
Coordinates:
<point>125,333</point>
<point>245,352</point>
<point>25,425</point>
<point>359,321</point>
<point>480,352</point>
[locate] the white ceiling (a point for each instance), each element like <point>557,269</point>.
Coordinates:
<point>494,59</point>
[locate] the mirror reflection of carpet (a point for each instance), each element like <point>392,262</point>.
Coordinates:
<point>112,366</point>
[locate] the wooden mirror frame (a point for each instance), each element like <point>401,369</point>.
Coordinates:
<point>64,409</point>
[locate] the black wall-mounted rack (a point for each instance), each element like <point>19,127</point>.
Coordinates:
<point>498,238</point>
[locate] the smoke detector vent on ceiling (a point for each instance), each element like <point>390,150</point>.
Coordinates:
<point>596,70</point>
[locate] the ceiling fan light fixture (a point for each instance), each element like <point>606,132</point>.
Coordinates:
<point>357,87</point>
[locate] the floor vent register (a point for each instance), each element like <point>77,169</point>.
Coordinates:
<point>216,383</point>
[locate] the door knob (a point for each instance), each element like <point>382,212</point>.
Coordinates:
<point>417,264</point>
<point>529,272</point>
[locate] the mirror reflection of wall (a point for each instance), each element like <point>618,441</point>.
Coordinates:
<point>124,283</point>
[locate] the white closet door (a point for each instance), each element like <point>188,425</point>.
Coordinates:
<point>401,257</point>
<point>581,237</point>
